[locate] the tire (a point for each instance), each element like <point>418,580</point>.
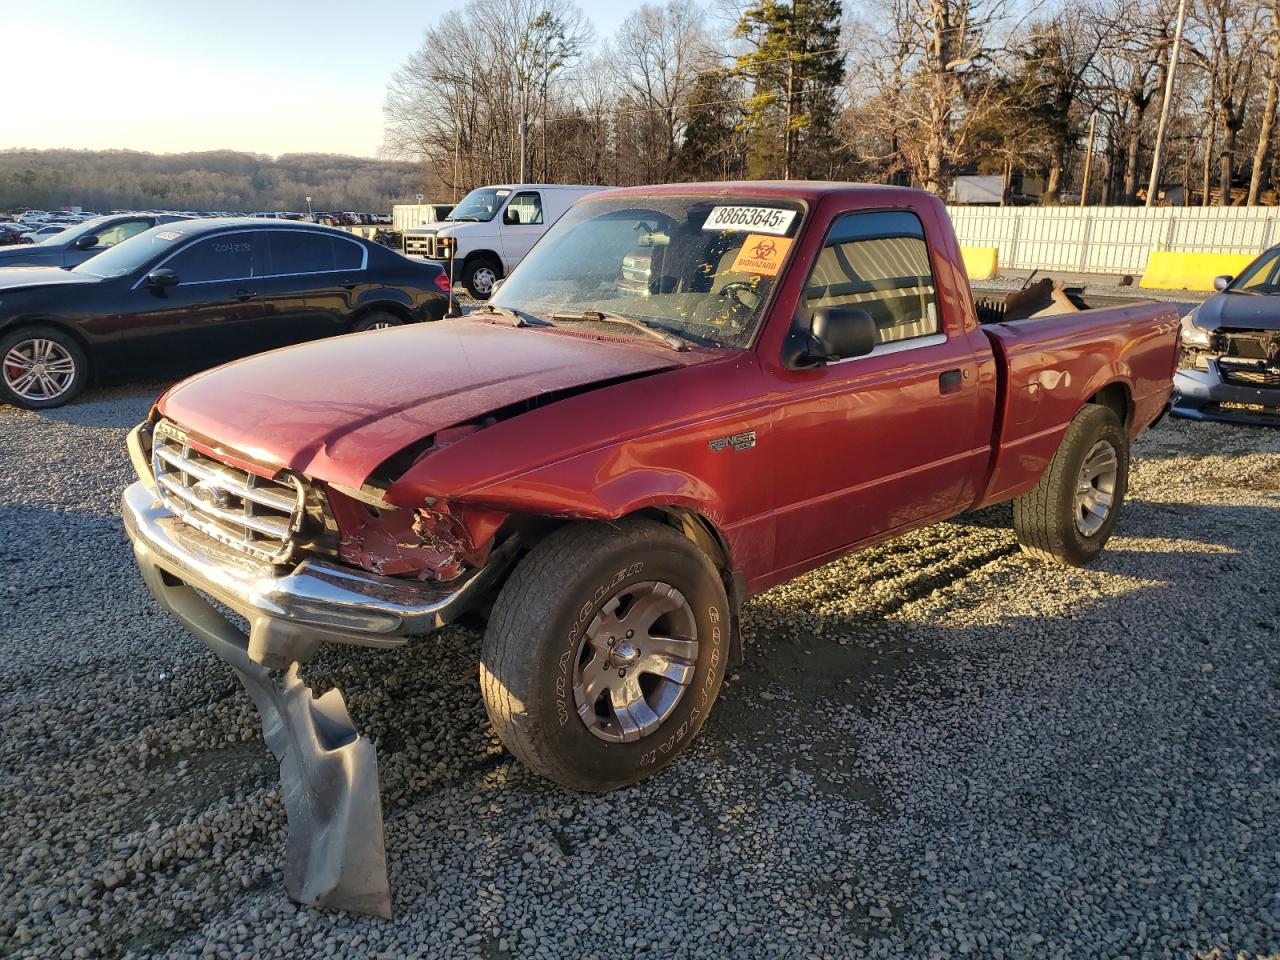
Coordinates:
<point>64,373</point>
<point>479,275</point>
<point>376,320</point>
<point>538,658</point>
<point>1061,522</point>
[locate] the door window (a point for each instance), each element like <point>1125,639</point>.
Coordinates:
<point>878,262</point>
<point>226,257</point>
<point>120,231</point>
<point>300,251</point>
<point>347,255</point>
<point>524,208</point>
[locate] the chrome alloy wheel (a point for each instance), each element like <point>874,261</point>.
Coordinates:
<point>380,325</point>
<point>39,369</point>
<point>1096,487</point>
<point>635,661</point>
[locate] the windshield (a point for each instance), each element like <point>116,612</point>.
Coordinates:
<point>128,255</point>
<point>1260,276</point>
<point>700,267</point>
<point>481,204</point>
<point>70,234</point>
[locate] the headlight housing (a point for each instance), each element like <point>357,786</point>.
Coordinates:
<point>1194,336</point>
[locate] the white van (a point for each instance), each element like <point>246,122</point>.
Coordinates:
<point>491,229</point>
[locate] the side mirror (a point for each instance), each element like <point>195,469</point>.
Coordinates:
<point>1222,282</point>
<point>162,278</point>
<point>87,242</point>
<point>511,216</point>
<point>839,333</point>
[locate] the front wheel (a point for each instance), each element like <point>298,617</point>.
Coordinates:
<point>41,367</point>
<point>479,276</point>
<point>1068,516</point>
<point>605,652</point>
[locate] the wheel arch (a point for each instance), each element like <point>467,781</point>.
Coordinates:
<point>1118,398</point>
<point>398,310</point>
<point>70,329</point>
<point>485,254</point>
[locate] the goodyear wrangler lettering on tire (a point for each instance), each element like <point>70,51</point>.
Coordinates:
<point>600,694</point>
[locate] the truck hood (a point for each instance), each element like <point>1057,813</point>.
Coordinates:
<point>1239,311</point>
<point>22,277</point>
<point>336,409</point>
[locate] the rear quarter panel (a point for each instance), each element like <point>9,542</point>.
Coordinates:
<point>1051,366</point>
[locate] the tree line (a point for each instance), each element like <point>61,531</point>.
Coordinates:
<point>901,91</point>
<point>213,180</point>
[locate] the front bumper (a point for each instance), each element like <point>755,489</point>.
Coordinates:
<point>1202,395</point>
<point>289,610</point>
<point>335,853</point>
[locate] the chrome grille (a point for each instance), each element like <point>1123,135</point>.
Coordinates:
<point>1252,375</point>
<point>420,245</point>
<point>239,508</point>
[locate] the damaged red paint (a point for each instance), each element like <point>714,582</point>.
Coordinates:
<point>436,541</point>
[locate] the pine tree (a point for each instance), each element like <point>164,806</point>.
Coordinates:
<point>712,148</point>
<point>795,67</point>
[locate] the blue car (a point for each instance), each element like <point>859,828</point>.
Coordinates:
<point>1230,364</point>
<point>79,242</point>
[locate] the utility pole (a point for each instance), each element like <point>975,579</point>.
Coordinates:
<point>1153,188</point>
<point>524,133</point>
<point>1088,159</point>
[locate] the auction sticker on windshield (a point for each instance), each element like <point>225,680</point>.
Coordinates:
<point>774,220</point>
<point>761,254</point>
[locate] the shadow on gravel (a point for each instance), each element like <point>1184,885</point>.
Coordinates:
<point>118,407</point>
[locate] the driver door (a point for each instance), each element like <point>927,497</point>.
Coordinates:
<point>210,315</point>
<point>884,441</point>
<point>522,225</point>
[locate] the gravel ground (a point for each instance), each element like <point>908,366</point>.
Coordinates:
<point>936,748</point>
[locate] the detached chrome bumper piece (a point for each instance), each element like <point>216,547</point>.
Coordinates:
<point>329,772</point>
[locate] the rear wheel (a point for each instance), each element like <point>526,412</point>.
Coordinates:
<point>1069,515</point>
<point>376,320</point>
<point>605,652</point>
<point>479,276</point>
<point>41,367</point>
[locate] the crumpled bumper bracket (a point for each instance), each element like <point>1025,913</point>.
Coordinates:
<point>335,854</point>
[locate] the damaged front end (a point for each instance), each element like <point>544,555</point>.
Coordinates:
<point>304,563</point>
<point>1227,374</point>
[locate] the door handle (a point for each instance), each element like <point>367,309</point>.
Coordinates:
<point>243,295</point>
<point>950,381</point>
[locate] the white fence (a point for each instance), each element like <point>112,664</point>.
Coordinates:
<point>1111,239</point>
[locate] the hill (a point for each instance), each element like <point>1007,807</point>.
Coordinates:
<point>213,180</point>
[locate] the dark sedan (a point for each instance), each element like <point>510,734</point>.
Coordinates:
<point>1230,367</point>
<point>195,293</point>
<point>79,242</point>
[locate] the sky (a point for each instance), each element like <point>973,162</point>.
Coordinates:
<point>266,76</point>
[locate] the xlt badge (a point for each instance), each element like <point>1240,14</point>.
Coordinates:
<point>739,441</point>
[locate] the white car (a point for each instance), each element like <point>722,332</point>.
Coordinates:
<point>45,232</point>
<point>33,216</point>
<point>491,229</point>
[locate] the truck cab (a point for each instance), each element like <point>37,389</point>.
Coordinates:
<point>491,230</point>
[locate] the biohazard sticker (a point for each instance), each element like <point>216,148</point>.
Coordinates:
<point>761,254</point>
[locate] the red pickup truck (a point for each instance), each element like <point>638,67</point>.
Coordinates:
<point>685,395</point>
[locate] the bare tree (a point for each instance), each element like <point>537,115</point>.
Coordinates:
<point>658,54</point>
<point>1266,126</point>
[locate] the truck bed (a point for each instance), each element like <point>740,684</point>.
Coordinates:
<point>1046,364</point>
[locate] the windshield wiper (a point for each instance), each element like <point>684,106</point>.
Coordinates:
<point>517,317</point>
<point>672,340</point>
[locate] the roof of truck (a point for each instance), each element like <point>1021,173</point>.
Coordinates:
<point>797,189</point>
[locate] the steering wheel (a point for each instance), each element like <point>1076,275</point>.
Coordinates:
<point>734,290</point>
